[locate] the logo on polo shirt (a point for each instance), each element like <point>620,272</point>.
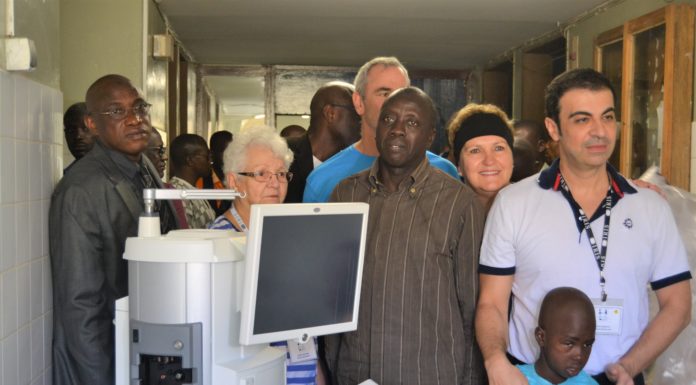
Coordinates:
<point>628,223</point>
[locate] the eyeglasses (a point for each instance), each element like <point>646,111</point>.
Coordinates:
<point>265,176</point>
<point>161,150</point>
<point>119,113</point>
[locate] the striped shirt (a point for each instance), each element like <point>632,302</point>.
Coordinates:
<point>419,283</point>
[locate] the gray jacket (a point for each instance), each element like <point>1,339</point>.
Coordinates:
<point>94,208</point>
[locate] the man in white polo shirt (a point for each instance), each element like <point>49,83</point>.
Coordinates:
<point>581,224</point>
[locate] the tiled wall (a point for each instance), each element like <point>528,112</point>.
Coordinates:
<point>30,165</point>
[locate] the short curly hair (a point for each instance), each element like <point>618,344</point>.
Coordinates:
<point>234,158</point>
<point>465,113</point>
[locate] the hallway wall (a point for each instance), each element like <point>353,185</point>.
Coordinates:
<point>31,138</point>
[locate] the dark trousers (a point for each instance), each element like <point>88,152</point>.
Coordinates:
<point>600,378</point>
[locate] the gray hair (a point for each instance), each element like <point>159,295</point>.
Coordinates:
<point>360,81</point>
<point>234,157</point>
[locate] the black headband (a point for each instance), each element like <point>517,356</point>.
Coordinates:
<point>480,124</point>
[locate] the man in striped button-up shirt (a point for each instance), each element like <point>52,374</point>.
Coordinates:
<point>419,285</point>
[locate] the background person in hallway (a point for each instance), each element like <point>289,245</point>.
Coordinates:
<point>481,137</point>
<point>292,131</point>
<point>77,136</point>
<point>538,137</point>
<point>375,80</point>
<point>94,208</point>
<point>415,323</point>
<point>540,234</point>
<point>215,180</point>
<point>156,152</point>
<point>334,125</point>
<point>190,161</point>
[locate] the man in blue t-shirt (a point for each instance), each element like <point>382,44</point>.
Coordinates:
<point>375,80</point>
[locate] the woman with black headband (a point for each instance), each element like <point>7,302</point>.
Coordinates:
<point>480,136</point>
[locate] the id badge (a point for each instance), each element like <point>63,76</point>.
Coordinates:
<point>302,352</point>
<point>609,316</point>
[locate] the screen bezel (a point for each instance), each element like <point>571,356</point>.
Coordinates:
<point>253,254</point>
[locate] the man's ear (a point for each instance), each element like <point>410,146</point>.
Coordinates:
<point>553,129</point>
<point>329,113</point>
<point>540,336</point>
<point>91,124</point>
<point>358,103</point>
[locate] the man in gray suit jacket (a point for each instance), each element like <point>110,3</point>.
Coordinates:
<point>93,210</point>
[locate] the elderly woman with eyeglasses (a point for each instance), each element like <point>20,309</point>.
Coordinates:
<point>256,164</point>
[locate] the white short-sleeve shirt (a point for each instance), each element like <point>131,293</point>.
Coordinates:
<point>531,234</point>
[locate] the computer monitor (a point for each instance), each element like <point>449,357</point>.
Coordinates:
<point>303,271</point>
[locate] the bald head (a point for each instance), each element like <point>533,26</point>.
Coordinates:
<point>336,93</point>
<point>103,88</point>
<point>334,124</point>
<point>563,302</point>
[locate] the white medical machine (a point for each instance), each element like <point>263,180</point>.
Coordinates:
<point>204,304</point>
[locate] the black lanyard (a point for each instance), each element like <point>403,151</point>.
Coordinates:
<point>599,254</point>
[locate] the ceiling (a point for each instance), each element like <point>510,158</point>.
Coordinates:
<point>423,34</point>
<point>432,34</point>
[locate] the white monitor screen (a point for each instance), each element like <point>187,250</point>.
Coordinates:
<point>303,271</point>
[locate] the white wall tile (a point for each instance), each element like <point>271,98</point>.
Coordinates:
<point>57,123</point>
<point>9,356</point>
<point>48,339</point>
<point>34,176</point>
<point>30,166</point>
<point>9,303</point>
<point>36,289</point>
<point>37,347</point>
<point>46,170</point>
<point>21,170</point>
<point>35,229</point>
<point>48,376</point>
<point>7,107</point>
<point>45,204</point>
<point>8,246</point>
<point>2,382</point>
<point>23,236</point>
<point>34,113</point>
<point>24,355</point>
<point>23,295</point>
<point>22,85</point>
<point>7,152</point>
<point>2,321</point>
<point>47,284</point>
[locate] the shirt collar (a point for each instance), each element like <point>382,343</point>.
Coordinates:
<point>413,182</point>
<point>550,179</point>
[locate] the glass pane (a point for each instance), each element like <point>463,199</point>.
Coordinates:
<point>612,65</point>
<point>647,119</point>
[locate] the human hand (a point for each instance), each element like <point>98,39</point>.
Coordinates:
<point>618,374</point>
<point>501,372</point>
<point>648,185</point>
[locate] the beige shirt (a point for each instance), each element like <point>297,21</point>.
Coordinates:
<point>419,284</point>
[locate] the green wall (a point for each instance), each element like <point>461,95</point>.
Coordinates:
<point>99,37</point>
